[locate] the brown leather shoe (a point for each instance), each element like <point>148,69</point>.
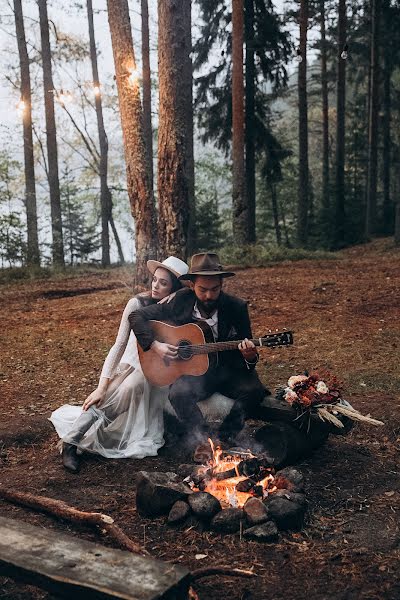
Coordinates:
<point>70,458</point>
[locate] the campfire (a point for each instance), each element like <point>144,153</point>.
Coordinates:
<point>233,477</point>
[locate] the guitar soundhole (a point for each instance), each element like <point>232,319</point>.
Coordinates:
<point>185,351</point>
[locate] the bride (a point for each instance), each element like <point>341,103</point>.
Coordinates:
<point>123,417</point>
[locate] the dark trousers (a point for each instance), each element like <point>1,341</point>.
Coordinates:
<point>242,386</point>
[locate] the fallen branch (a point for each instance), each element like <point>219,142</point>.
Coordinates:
<point>62,510</point>
<point>221,570</point>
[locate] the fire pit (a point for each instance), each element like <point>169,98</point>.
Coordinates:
<point>234,490</point>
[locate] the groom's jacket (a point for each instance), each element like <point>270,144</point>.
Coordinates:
<point>233,322</point>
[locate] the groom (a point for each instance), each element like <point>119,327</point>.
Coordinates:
<point>228,317</point>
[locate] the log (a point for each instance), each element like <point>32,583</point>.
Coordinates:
<point>58,508</point>
<point>72,568</point>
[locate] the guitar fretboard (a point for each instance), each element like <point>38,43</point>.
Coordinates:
<point>278,339</point>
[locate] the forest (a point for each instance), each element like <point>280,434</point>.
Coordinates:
<point>267,132</point>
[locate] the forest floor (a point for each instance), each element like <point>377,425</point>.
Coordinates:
<point>344,312</point>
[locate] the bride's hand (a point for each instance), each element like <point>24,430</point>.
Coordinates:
<point>95,397</point>
<point>167,299</point>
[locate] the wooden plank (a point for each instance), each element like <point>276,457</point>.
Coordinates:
<point>74,568</point>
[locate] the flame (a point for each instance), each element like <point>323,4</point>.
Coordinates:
<point>225,490</point>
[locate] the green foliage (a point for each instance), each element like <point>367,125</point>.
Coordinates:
<point>259,255</point>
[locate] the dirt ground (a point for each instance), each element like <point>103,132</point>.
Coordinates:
<point>344,312</point>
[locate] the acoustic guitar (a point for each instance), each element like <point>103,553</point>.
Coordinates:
<point>197,350</point>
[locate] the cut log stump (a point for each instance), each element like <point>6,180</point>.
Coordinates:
<point>74,568</point>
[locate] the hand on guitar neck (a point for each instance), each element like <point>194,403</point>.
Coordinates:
<point>248,350</point>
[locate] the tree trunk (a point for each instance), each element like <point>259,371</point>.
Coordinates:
<point>302,202</point>
<point>51,137</point>
<point>33,255</point>
<point>173,178</point>
<point>325,126</point>
<point>138,184</point>
<point>397,225</point>
<point>371,211</point>
<point>387,204</point>
<point>117,240</point>
<point>146,77</point>
<point>272,187</point>
<point>188,82</point>
<point>239,201</point>
<point>250,122</point>
<point>105,194</point>
<point>339,233</point>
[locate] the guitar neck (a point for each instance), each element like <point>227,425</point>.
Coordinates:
<point>279,339</point>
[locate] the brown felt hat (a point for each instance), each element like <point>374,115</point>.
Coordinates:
<point>205,263</point>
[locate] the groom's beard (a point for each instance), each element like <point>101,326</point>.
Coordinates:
<point>209,306</point>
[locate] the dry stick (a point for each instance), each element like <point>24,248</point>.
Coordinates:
<point>61,509</point>
<point>207,571</point>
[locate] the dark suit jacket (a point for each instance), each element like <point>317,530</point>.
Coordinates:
<point>233,322</point>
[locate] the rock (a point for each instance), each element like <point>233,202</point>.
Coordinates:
<point>204,505</point>
<point>157,492</point>
<point>227,520</point>
<point>285,513</point>
<point>289,479</point>
<point>178,512</point>
<point>293,496</point>
<point>255,511</point>
<point>266,532</point>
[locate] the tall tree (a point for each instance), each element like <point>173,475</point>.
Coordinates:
<point>105,194</point>
<point>146,78</point>
<point>339,233</point>
<point>51,138</point>
<point>173,180</point>
<point>239,200</point>
<point>371,208</point>
<point>325,119</point>
<point>137,164</point>
<point>33,255</point>
<point>188,86</point>
<point>250,118</point>
<point>303,192</point>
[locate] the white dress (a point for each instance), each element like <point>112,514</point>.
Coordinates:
<point>129,422</point>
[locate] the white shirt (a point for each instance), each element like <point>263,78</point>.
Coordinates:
<point>211,321</point>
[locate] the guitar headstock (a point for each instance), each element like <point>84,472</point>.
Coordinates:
<point>281,338</point>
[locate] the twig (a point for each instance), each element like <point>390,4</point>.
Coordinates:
<point>221,570</point>
<point>62,510</point>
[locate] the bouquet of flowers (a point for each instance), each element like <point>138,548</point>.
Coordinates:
<point>320,395</point>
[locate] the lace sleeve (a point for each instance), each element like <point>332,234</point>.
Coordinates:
<point>115,354</point>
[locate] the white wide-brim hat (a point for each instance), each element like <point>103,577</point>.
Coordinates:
<point>174,265</point>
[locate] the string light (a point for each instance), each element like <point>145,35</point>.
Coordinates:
<point>21,107</point>
<point>299,57</point>
<point>344,53</point>
<point>96,90</point>
<point>63,97</point>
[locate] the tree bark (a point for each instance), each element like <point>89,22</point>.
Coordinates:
<point>250,121</point>
<point>173,177</point>
<point>188,82</point>
<point>387,203</point>
<point>146,78</point>
<point>239,200</point>
<point>275,213</point>
<point>105,194</point>
<point>371,208</point>
<point>339,235</point>
<point>325,125</point>
<point>117,240</point>
<point>138,184</point>
<point>33,255</point>
<point>303,193</point>
<point>51,137</point>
